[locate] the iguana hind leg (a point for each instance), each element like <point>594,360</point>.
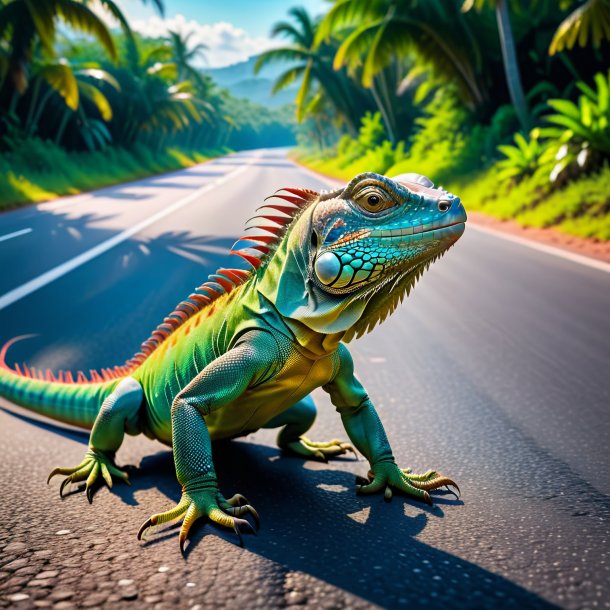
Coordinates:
<point>294,422</point>
<point>119,412</point>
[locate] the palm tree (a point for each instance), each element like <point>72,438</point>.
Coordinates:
<point>89,84</point>
<point>153,99</point>
<point>27,21</point>
<point>60,78</point>
<point>377,33</point>
<point>183,56</point>
<point>311,63</point>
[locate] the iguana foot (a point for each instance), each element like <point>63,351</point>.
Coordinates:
<point>204,500</point>
<point>322,451</point>
<point>388,476</point>
<point>94,464</point>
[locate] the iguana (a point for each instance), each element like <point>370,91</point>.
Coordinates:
<point>246,349</point>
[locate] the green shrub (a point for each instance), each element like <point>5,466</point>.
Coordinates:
<point>524,158</point>
<point>37,170</point>
<point>581,131</point>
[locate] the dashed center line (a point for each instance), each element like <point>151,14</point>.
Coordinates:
<point>15,234</point>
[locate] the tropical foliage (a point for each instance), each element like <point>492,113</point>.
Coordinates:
<point>468,91</point>
<point>69,85</point>
<point>312,64</point>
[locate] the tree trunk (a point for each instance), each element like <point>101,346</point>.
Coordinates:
<point>511,67</point>
<point>62,126</point>
<point>384,114</point>
<point>33,105</point>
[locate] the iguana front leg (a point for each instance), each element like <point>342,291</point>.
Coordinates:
<point>118,413</point>
<point>221,382</point>
<point>366,432</point>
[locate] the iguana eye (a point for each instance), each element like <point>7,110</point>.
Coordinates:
<point>374,199</point>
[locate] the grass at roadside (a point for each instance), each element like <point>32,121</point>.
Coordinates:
<point>38,171</point>
<point>580,208</point>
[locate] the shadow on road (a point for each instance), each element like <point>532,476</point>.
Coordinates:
<point>137,270</point>
<point>313,522</point>
<point>80,436</point>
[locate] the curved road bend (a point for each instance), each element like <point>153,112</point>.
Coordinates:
<point>495,371</point>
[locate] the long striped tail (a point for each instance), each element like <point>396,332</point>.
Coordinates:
<point>61,398</point>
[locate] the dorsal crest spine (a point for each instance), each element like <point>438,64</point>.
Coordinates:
<point>254,250</point>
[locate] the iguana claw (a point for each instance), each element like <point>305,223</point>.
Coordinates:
<point>65,482</point>
<point>148,523</point>
<point>238,511</point>
<point>206,503</point>
<point>387,476</point>
<point>94,464</point>
<point>239,523</point>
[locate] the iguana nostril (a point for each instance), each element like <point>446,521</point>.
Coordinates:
<point>444,205</point>
<point>327,267</point>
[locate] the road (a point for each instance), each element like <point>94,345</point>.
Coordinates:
<point>495,371</point>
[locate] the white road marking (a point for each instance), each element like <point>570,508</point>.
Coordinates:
<point>15,234</point>
<point>534,245</point>
<point>46,278</point>
<point>523,241</point>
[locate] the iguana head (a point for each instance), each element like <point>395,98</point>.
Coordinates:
<point>353,254</point>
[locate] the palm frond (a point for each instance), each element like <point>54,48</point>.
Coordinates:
<point>591,20</point>
<point>304,90</point>
<point>82,18</point>
<point>99,74</point>
<point>97,98</point>
<point>288,77</point>
<point>60,77</point>
<point>281,55</point>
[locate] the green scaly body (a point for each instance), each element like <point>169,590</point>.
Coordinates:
<point>247,348</point>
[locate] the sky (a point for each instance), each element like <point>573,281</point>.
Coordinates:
<point>232,29</point>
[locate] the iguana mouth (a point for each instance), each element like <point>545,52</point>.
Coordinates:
<point>413,230</point>
<point>389,233</point>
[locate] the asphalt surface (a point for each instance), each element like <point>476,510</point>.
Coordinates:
<point>496,371</point>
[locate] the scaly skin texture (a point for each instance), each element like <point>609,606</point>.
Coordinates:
<point>246,350</point>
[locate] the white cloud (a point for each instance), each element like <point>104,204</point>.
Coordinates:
<point>226,43</point>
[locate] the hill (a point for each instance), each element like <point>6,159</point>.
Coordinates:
<point>241,82</point>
